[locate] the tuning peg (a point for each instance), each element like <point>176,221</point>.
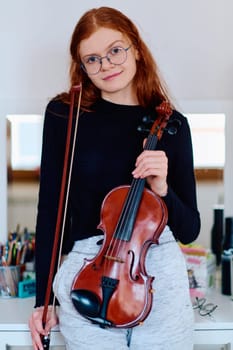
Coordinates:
<point>142,128</point>
<point>147,123</point>
<point>147,119</point>
<point>173,128</point>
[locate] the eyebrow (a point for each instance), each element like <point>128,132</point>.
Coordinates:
<point>107,48</point>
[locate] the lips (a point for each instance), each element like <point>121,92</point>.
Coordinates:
<point>111,76</point>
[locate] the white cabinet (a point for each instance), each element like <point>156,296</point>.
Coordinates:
<point>211,333</point>
<point>14,332</point>
<point>212,347</point>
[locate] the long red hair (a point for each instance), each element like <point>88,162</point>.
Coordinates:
<point>148,84</point>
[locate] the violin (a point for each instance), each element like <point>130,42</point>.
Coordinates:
<point>113,289</point>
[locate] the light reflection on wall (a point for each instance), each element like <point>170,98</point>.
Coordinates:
<point>208,137</point>
<point>24,141</point>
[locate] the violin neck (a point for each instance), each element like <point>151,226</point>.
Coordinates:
<point>151,142</point>
<point>128,215</point>
<point>125,225</point>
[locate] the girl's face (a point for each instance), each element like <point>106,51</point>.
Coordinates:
<point>115,81</point>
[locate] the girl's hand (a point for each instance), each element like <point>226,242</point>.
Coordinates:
<point>36,326</point>
<point>153,165</point>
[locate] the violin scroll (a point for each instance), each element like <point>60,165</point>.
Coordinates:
<point>164,112</point>
<point>164,109</point>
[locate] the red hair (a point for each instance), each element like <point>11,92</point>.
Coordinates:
<point>149,87</point>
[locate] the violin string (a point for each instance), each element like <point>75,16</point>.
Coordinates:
<point>136,184</point>
<point>126,213</point>
<point>116,243</point>
<point>115,246</point>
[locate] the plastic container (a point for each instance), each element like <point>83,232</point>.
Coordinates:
<point>9,279</point>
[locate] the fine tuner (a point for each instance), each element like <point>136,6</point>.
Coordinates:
<point>172,125</point>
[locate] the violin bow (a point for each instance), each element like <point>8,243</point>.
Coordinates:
<point>63,198</point>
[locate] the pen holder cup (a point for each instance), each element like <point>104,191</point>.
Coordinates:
<point>9,279</point>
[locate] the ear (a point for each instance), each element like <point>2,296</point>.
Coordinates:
<point>137,55</point>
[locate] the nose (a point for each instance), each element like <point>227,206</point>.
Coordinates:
<point>106,62</point>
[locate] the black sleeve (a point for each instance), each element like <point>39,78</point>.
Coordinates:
<point>53,150</point>
<point>181,201</point>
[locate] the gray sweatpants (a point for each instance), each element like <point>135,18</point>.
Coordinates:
<point>170,323</point>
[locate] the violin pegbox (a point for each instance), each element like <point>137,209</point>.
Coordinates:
<point>154,125</point>
<point>165,111</point>
<point>161,123</point>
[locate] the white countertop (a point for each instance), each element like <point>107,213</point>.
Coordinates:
<point>15,312</point>
<point>222,317</point>
<point>14,330</point>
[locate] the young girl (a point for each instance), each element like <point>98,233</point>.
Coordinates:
<point>121,86</point>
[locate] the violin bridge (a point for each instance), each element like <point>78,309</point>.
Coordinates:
<point>114,258</point>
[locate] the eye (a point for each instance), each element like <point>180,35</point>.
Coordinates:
<point>115,50</point>
<point>91,59</point>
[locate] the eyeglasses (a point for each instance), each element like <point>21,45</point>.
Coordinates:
<point>204,308</point>
<point>92,64</point>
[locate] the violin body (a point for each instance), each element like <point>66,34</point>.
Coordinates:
<point>113,289</point>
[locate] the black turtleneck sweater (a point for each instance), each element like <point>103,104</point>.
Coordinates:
<point>108,143</point>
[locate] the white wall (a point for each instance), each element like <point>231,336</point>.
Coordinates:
<point>22,206</point>
<point>190,39</point>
